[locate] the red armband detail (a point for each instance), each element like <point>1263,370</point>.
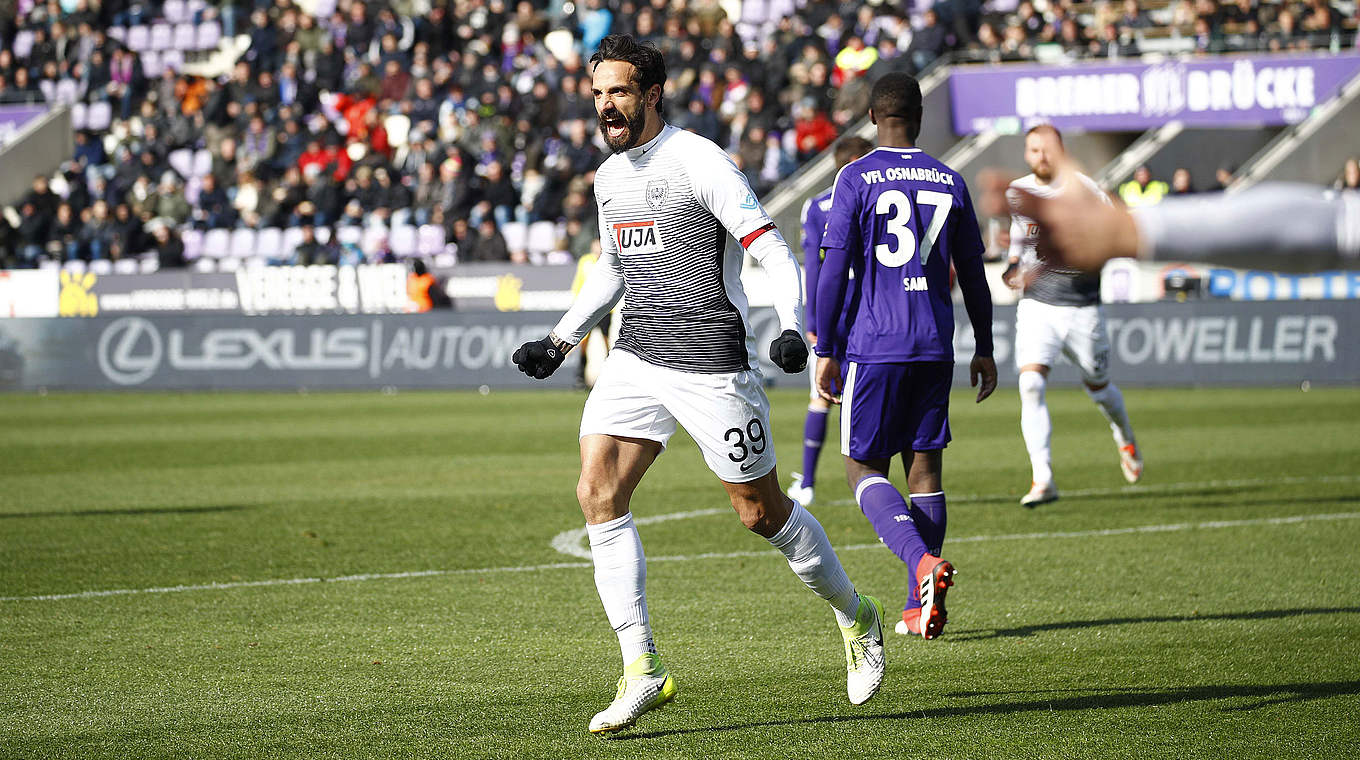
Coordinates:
<point>751,238</point>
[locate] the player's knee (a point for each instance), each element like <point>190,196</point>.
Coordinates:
<point>598,498</point>
<point>1032,386</point>
<point>758,521</point>
<point>761,515</point>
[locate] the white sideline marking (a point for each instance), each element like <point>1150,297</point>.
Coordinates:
<point>1163,487</point>
<point>1165,528</point>
<point>568,542</point>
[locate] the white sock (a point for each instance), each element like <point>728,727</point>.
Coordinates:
<point>1035,425</point>
<point>1111,404</point>
<point>804,543</point>
<point>621,579</point>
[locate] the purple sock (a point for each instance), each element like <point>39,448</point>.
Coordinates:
<point>888,513</point>
<point>814,433</point>
<point>928,512</point>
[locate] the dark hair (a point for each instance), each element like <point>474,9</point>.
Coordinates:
<point>1049,128</point>
<point>647,61</point>
<point>898,96</point>
<point>850,148</point>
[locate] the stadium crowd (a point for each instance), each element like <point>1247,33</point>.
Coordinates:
<point>475,117</point>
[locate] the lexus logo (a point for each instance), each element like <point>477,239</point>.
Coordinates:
<point>129,350</point>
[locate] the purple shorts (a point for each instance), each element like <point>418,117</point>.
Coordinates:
<point>887,409</point>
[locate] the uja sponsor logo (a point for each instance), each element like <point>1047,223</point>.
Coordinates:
<point>131,350</point>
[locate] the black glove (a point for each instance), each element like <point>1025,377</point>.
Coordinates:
<point>538,358</point>
<point>789,352</point>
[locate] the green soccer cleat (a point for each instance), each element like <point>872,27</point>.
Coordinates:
<point>864,663</point>
<point>645,686</point>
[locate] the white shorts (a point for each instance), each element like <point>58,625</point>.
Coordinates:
<point>727,414</point>
<point>1044,332</point>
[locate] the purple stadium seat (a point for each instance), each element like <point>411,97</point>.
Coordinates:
<point>162,37</point>
<point>99,116</point>
<point>202,162</point>
<point>176,11</point>
<point>349,235</point>
<point>516,236</point>
<point>79,117</point>
<point>323,235</point>
<point>208,35</point>
<point>193,188</point>
<point>101,266</point>
<point>205,266</point>
<point>292,238</point>
<point>403,240</point>
<point>242,243</point>
<point>173,60</point>
<point>151,64</point>
<point>149,264</point>
<point>374,238</point>
<point>217,243</point>
<point>542,238</point>
<point>185,37</point>
<point>138,38</point>
<point>269,244</point>
<point>193,243</point>
<point>125,266</point>
<point>431,240</point>
<point>324,8</point>
<point>68,91</point>
<point>182,161</point>
<point>117,33</point>
<point>23,43</point>
<point>49,90</point>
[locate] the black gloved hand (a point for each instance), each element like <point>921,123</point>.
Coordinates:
<point>538,358</point>
<point>789,352</point>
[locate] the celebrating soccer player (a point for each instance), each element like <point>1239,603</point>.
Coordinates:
<point>814,224</point>
<point>898,217</point>
<point>685,355</point>
<point>1059,313</point>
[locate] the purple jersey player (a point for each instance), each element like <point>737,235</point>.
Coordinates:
<point>814,224</point>
<point>898,218</point>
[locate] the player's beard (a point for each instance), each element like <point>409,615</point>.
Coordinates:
<point>632,128</point>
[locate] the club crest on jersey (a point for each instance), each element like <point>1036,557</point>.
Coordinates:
<point>637,237</point>
<point>657,190</point>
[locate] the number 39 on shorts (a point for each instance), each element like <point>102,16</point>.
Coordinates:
<point>746,442</point>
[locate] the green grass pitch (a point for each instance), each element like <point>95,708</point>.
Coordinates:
<point>1212,611</point>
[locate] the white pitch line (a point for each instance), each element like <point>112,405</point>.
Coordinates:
<point>1165,528</point>
<point>568,542</point>
<point>1160,487</point>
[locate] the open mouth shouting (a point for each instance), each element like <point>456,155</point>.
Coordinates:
<point>620,132</point>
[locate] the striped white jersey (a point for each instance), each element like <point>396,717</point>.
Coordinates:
<point>666,209</point>
<point>1056,286</point>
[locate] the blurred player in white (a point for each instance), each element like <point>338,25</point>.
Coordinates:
<point>685,356</point>
<point>1241,230</point>
<point>1059,315</point>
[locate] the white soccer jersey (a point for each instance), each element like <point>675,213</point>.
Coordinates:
<point>1051,285</point>
<point>665,211</point>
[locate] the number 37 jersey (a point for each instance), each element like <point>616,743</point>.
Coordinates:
<point>901,216</point>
